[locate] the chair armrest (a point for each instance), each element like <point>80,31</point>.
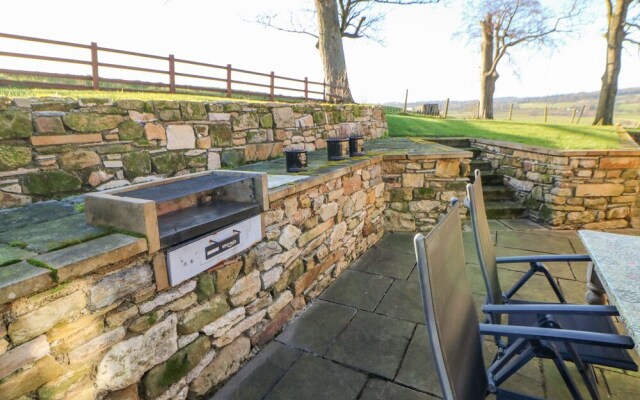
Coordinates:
<point>574,309</point>
<point>544,258</point>
<point>558,335</point>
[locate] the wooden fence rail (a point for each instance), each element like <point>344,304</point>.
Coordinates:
<point>304,89</point>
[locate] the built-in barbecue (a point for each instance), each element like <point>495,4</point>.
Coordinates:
<point>199,220</point>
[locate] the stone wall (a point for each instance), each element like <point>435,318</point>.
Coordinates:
<point>54,147</point>
<point>571,189</point>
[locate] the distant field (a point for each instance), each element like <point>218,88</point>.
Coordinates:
<point>546,135</point>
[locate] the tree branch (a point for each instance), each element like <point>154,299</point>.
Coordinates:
<point>266,21</point>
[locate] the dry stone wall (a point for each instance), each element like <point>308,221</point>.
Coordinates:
<point>571,189</point>
<point>54,147</point>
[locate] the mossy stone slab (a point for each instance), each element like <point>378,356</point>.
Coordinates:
<point>170,162</point>
<point>51,235</point>
<point>49,182</point>
<point>32,214</point>
<point>13,157</point>
<point>15,124</point>
<point>21,279</point>
<point>130,130</point>
<point>91,122</point>
<point>136,164</point>
<point>11,255</point>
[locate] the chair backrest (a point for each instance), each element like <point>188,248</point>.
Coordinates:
<point>450,312</point>
<point>484,243</point>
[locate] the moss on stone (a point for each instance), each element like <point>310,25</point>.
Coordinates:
<point>397,195</point>
<point>232,157</point>
<point>206,287</point>
<point>221,135</point>
<point>169,162</point>
<point>136,105</point>
<point>232,107</point>
<point>13,157</point>
<point>136,164</point>
<point>319,117</point>
<point>49,182</point>
<point>266,120</point>
<point>457,186</point>
<point>198,161</point>
<point>82,122</point>
<point>130,130</point>
<point>192,110</point>
<point>15,124</point>
<point>357,111</point>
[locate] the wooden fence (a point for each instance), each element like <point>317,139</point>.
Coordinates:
<point>265,86</point>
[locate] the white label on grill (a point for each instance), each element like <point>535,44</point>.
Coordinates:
<point>191,259</point>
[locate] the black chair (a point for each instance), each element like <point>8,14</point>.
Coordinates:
<point>524,313</point>
<point>455,334</point>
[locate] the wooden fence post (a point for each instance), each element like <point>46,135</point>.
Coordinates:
<point>478,112</point>
<point>406,96</point>
<point>306,88</point>
<point>172,74</point>
<point>228,80</point>
<point>573,114</point>
<point>580,116</point>
<point>510,111</point>
<point>446,108</point>
<point>94,66</point>
<point>271,86</point>
<point>545,113</point>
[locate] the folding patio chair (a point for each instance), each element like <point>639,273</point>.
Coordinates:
<point>454,331</point>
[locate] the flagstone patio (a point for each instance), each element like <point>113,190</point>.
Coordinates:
<point>364,337</point>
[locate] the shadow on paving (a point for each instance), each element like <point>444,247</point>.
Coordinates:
<point>364,337</point>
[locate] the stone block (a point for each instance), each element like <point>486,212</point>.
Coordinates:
<point>96,346</point>
<point>36,322</point>
<point>14,157</point>
<point>168,162</point>
<point>423,206</point>
<point>197,317</point>
<point>618,212</point>
<point>155,132</point>
<point>226,275</point>
<point>79,159</point>
<point>220,117</point>
<point>447,168</point>
<point>245,289</point>
<point>54,140</point>
<point>412,180</point>
<point>126,362</point>
<point>245,121</point>
<point>142,117</point>
<point>221,135</point>
<point>213,160</point>
<point>599,190</point>
<point>282,300</point>
<point>239,328</point>
<point>610,224</point>
<point>192,110</point>
<point>167,297</point>
<point>136,164</point>
<point>119,284</point>
<point>206,286</point>
<point>84,122</point>
<point>226,363</point>
<point>49,182</point>
<point>44,370</point>
<point>270,277</point>
<point>283,117</point>
<point>221,325</point>
<point>70,335</point>
<point>15,124</point>
<point>21,279</point>
<point>289,234</point>
<point>313,233</point>
<point>266,120</point>
<point>51,124</point>
<point>619,162</point>
<point>180,137</point>
<point>232,157</point>
<point>162,376</point>
<point>130,130</point>
<point>203,142</point>
<point>59,388</point>
<point>23,355</point>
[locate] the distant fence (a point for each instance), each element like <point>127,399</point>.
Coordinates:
<point>267,85</point>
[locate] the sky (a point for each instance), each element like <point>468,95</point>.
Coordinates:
<point>418,55</point>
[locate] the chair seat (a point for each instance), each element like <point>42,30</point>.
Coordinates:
<point>502,394</point>
<point>607,356</point>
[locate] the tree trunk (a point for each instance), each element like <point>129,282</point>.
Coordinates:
<point>488,76</point>
<point>332,52</point>
<point>609,88</point>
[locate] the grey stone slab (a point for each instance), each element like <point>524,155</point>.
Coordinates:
<point>403,301</point>
<point>11,255</point>
<point>21,279</point>
<point>415,275</point>
<point>47,236</point>
<point>398,241</point>
<point>521,224</point>
<point>622,386</point>
<point>316,329</point>
<point>255,379</point>
<point>385,262</point>
<point>32,214</point>
<point>528,380</point>
<point>535,242</point>
<point>377,389</point>
<point>373,343</point>
<point>279,180</point>
<point>358,289</point>
<point>557,389</point>
<point>418,369</point>
<point>314,378</point>
<point>557,269</point>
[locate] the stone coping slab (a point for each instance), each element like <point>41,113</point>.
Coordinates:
<point>321,170</point>
<point>556,152</point>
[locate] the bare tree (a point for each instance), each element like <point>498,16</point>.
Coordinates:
<point>337,19</point>
<point>623,25</point>
<point>505,24</point>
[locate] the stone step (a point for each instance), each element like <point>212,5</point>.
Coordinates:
<point>481,165</point>
<point>476,151</point>
<point>496,192</point>
<point>504,210</point>
<point>490,179</point>
<point>453,142</point>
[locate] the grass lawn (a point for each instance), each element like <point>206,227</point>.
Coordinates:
<point>545,135</point>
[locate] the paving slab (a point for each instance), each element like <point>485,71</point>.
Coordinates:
<point>21,279</point>
<point>381,261</point>
<point>373,343</point>
<point>520,224</point>
<point>398,241</point>
<point>377,389</point>
<point>534,242</point>
<point>418,370</point>
<point>317,328</point>
<point>558,269</point>
<point>403,301</point>
<point>264,371</point>
<point>358,289</point>
<point>47,236</point>
<point>528,380</point>
<point>315,378</point>
<point>11,255</point>
<point>622,386</point>
<point>32,214</point>
<point>557,389</point>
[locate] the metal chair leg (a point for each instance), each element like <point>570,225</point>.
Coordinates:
<point>554,285</point>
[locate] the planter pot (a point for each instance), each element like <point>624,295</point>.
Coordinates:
<point>356,146</point>
<point>338,149</point>
<point>296,160</point>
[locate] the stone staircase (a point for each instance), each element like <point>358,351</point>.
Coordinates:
<point>498,198</point>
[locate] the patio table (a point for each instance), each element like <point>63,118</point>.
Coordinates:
<point>615,270</point>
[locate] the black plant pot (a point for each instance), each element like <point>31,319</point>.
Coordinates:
<point>296,160</point>
<point>356,146</point>
<point>338,149</point>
